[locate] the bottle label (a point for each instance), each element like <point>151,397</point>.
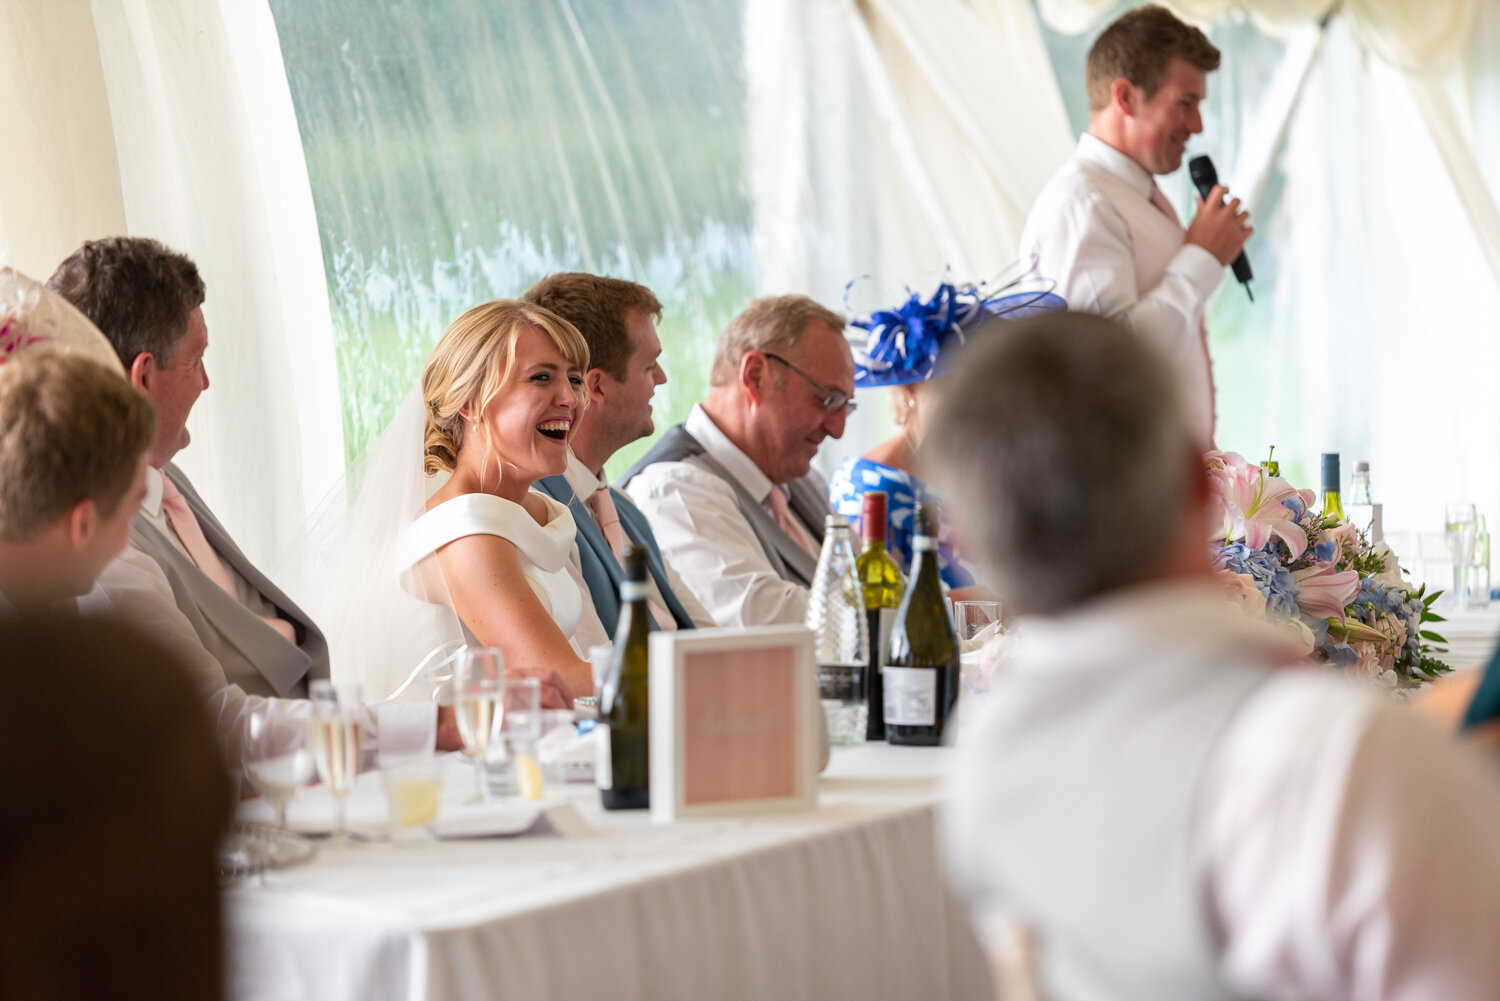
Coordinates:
<point>910,696</point>
<point>841,683</point>
<point>923,544</point>
<point>634,590</point>
<point>604,772</point>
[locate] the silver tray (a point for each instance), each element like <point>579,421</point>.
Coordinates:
<point>249,849</point>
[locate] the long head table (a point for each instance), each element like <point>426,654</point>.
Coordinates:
<point>842,902</point>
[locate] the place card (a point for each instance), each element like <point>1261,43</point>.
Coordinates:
<point>734,722</point>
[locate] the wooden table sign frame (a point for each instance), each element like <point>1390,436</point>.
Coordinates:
<point>734,728</point>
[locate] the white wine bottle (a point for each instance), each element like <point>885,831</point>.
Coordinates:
<point>881,586</point>
<point>1331,502</point>
<point>622,769</point>
<point>921,666</point>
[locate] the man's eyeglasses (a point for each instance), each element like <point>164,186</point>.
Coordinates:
<point>833,400</point>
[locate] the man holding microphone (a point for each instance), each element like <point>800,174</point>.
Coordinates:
<point>1103,228</point>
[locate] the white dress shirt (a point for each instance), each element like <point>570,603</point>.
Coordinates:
<point>1347,849</point>
<point>1094,230</point>
<point>584,484</point>
<point>705,539</point>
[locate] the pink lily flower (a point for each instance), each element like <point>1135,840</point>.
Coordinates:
<point>1245,503</point>
<point>1323,592</point>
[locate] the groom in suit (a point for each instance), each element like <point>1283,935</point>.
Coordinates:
<point>183,578</point>
<point>730,492</point>
<point>617,320</point>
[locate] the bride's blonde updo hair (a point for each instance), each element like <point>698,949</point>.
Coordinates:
<point>473,360</point>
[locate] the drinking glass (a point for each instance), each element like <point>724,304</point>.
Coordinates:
<point>409,771</point>
<point>276,757</point>
<point>334,730</point>
<point>479,705</point>
<point>976,621</point>
<point>521,730</point>
<point>1458,532</point>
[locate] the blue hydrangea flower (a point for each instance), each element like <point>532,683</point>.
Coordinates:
<point>1340,654</point>
<point>1272,579</point>
<point>1294,504</point>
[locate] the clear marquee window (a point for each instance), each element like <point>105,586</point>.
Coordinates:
<point>460,150</point>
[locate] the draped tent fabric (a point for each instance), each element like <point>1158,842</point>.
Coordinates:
<point>1413,36</point>
<point>54,108</point>
<point>172,119</point>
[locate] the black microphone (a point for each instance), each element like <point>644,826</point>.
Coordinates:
<point>1201,169</point>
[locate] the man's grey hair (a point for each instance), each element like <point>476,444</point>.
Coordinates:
<point>774,324</point>
<point>1061,443</point>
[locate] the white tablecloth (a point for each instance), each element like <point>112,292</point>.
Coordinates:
<point>842,902</point>
<point>1471,635</point>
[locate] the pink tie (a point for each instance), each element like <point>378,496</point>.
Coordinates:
<point>602,507</point>
<point>776,501</point>
<point>1160,201</point>
<point>185,524</point>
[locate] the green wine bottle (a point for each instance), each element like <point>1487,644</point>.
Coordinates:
<point>881,585</point>
<point>1331,502</point>
<point>921,664</point>
<point>622,768</point>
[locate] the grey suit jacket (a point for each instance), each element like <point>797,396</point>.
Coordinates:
<point>254,656</point>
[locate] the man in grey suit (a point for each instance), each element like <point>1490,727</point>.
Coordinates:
<point>617,320</point>
<point>183,578</point>
<point>730,492</point>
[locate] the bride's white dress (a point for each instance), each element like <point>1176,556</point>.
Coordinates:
<point>544,549</point>
<point>354,574</point>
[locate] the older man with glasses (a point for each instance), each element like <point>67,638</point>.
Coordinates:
<point>730,493</point>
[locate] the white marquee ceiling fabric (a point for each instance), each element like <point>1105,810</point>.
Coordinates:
<point>1412,36</point>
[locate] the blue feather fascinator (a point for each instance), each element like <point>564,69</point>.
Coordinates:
<point>903,345</point>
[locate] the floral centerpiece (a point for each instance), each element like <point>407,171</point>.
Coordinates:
<point>1318,577</point>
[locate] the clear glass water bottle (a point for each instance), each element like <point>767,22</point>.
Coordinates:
<point>1362,510</point>
<point>841,646</point>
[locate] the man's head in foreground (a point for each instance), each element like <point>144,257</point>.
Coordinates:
<point>1061,445</point>
<point>73,442</point>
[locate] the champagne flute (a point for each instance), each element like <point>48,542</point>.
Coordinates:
<point>1458,531</point>
<point>479,707</point>
<point>276,757</point>
<point>334,731</point>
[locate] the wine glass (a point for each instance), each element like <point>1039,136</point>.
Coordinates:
<point>275,756</point>
<point>479,706</point>
<point>1458,532</point>
<point>334,729</point>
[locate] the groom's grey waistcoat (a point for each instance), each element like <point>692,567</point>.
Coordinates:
<point>1092,785</point>
<point>807,502</point>
<point>254,656</point>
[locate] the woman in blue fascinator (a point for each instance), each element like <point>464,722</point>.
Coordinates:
<point>904,349</point>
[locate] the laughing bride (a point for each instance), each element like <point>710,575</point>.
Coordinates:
<point>447,542</point>
<point>502,391</point>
